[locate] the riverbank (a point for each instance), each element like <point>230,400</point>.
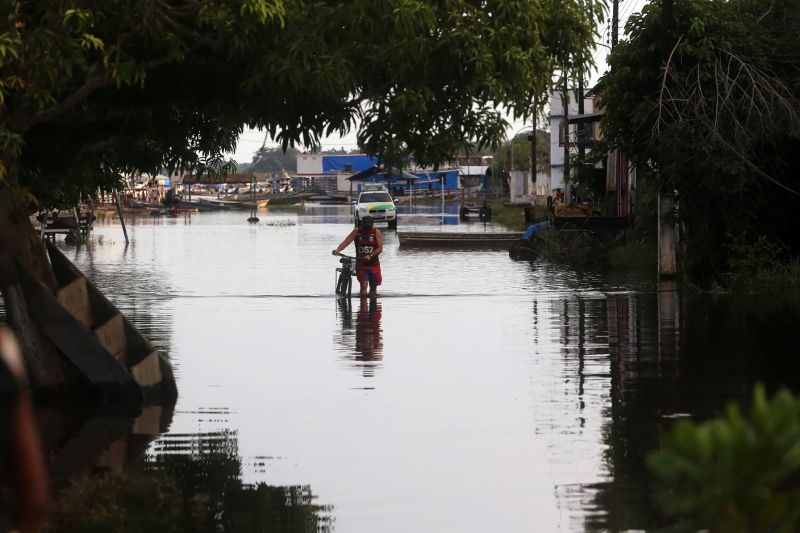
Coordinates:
<point>513,218</point>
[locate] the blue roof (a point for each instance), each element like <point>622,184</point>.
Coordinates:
<point>376,174</point>
<point>357,162</point>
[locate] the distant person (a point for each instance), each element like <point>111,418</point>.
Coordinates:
<point>369,245</point>
<point>23,471</point>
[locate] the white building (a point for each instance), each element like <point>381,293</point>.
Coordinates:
<point>559,134</point>
<point>309,165</point>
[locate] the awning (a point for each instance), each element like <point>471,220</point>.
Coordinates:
<point>388,176</point>
<point>585,118</point>
<point>364,174</point>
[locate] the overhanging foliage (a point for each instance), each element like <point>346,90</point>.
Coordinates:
<point>89,91</point>
<point>705,103</point>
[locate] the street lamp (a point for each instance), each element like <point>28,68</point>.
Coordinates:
<point>511,144</point>
<point>511,147</point>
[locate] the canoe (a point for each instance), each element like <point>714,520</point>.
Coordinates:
<point>441,238</point>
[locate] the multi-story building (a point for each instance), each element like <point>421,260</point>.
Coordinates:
<point>564,135</point>
<point>567,131</point>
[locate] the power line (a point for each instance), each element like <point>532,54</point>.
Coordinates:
<point>634,6</point>
<point>626,5</point>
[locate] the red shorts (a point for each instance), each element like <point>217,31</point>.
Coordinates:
<point>370,273</point>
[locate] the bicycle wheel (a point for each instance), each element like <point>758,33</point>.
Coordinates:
<point>344,282</point>
<point>339,281</point>
<point>348,282</point>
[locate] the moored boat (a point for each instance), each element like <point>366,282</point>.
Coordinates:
<point>442,238</point>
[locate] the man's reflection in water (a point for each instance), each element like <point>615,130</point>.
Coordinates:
<point>368,350</point>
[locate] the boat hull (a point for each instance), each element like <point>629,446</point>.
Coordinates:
<point>450,239</point>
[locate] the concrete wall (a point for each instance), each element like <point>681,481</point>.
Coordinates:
<point>309,165</point>
<point>517,179</point>
<point>343,184</point>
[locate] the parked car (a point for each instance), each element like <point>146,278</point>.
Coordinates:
<point>376,202</point>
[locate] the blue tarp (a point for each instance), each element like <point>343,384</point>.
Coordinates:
<point>432,180</point>
<point>536,229</point>
<point>336,163</point>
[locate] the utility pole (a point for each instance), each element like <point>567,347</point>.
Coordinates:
<point>667,227</point>
<point>522,172</point>
<point>565,105</point>
<point>614,23</point>
<point>533,142</point>
<point>581,127</point>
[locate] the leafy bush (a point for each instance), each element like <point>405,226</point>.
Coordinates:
<point>734,473</point>
<point>635,255</point>
<point>113,502</point>
<point>751,258</point>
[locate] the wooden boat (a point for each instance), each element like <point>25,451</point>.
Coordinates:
<point>202,204</point>
<point>288,198</point>
<point>471,239</point>
<point>273,198</point>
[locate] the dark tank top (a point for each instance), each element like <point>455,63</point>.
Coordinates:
<point>366,244</point>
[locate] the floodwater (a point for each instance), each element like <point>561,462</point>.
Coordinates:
<point>475,394</point>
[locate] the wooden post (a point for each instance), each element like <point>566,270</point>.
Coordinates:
<point>44,223</point>
<point>77,218</point>
<point>121,218</point>
<point>667,235</point>
<point>90,220</point>
<point>253,218</point>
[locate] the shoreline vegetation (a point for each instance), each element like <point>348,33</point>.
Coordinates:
<point>513,218</point>
<point>759,267</point>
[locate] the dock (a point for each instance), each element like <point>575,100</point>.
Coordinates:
<point>461,239</point>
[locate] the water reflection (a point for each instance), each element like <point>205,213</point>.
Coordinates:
<point>364,340</point>
<point>674,355</point>
<point>620,358</point>
<point>109,474</point>
<point>519,396</point>
<point>206,468</point>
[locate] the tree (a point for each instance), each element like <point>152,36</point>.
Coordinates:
<point>703,99</point>
<point>90,91</point>
<point>521,159</point>
<point>274,160</point>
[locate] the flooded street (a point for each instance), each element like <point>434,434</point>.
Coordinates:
<point>476,394</point>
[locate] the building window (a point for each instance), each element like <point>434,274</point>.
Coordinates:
<point>563,132</point>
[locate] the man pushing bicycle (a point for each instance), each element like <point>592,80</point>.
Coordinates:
<point>369,245</point>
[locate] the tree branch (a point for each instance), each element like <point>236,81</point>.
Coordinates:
<point>667,67</point>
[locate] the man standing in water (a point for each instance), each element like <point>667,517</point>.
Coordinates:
<point>369,245</point>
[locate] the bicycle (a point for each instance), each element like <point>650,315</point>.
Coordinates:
<point>344,275</point>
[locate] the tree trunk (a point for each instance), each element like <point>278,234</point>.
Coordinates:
<point>21,248</point>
